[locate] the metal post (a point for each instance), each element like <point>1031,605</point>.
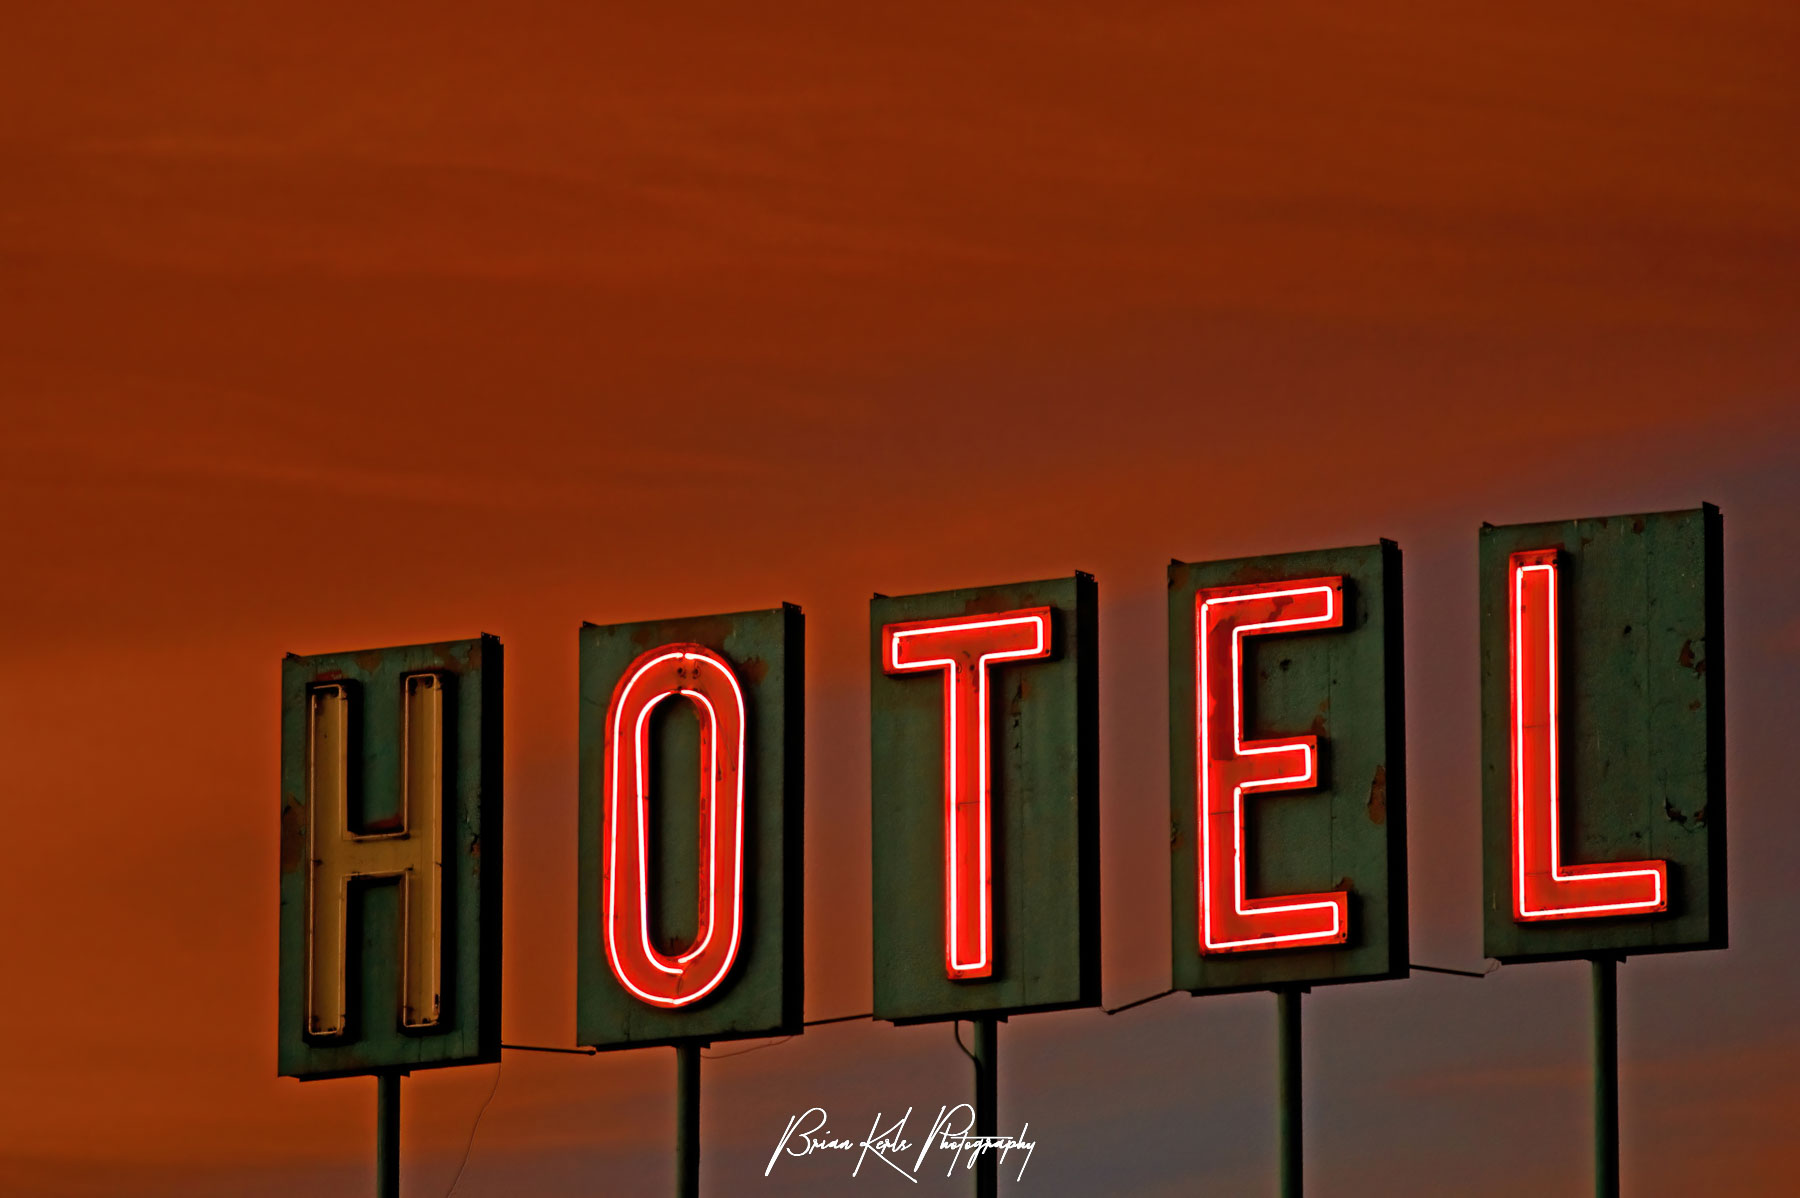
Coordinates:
<point>1287,1067</point>
<point>987,1115</point>
<point>387,1133</point>
<point>1606,1077</point>
<point>687,1119</point>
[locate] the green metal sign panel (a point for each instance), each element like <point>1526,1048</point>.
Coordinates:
<point>390,859</point>
<point>1287,758</point>
<point>691,830</point>
<point>1603,736</point>
<point>985,781</point>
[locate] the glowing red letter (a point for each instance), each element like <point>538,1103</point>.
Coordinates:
<point>963,648</point>
<point>702,677</point>
<point>1229,768</point>
<point>1544,887</point>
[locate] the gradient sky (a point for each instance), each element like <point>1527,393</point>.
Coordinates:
<point>331,326</point>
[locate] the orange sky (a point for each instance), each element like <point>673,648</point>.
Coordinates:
<point>324,328</point>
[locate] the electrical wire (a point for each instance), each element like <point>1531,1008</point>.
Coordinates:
<point>719,1056</point>
<point>956,1030</point>
<point>1461,973</point>
<point>1136,1003</point>
<point>588,1051</point>
<point>470,1146</point>
<point>838,1019</point>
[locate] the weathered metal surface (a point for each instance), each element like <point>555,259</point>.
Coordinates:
<point>1642,693</point>
<point>390,859</point>
<point>762,992</point>
<point>1344,687</point>
<point>1045,865</point>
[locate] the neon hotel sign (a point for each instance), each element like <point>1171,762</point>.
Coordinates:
<point>1603,722</point>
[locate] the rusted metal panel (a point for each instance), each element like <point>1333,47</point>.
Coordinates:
<point>1641,748</point>
<point>390,859</point>
<point>1044,940</point>
<point>753,659</point>
<point>1341,684</point>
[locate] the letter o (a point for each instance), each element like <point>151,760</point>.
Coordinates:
<point>705,679</point>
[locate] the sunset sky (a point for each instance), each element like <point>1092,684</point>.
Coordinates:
<point>332,326</point>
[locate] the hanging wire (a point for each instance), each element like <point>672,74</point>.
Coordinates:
<point>470,1146</point>
<point>956,1030</point>
<point>719,1056</point>
<point>838,1019</point>
<point>1137,1003</point>
<point>588,1052</point>
<point>1461,973</point>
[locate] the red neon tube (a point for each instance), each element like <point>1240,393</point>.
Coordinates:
<point>962,649</point>
<point>1544,886</point>
<point>1229,767</point>
<point>703,678</point>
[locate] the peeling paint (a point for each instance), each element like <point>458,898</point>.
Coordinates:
<point>293,834</point>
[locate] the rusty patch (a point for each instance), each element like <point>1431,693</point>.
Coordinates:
<point>1256,570</point>
<point>990,601</point>
<point>293,834</point>
<point>1685,659</point>
<point>1672,814</point>
<point>753,670</point>
<point>368,662</point>
<point>1637,524</point>
<point>1378,796</point>
<point>710,632</point>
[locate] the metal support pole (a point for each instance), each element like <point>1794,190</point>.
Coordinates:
<point>1606,1077</point>
<point>987,1115</point>
<point>1287,1066</point>
<point>687,1119</point>
<point>387,1133</point>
